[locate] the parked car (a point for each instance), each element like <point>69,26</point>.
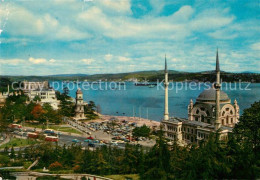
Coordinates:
<point>120,141</point>
<point>96,141</point>
<point>75,140</point>
<point>88,140</point>
<point>91,145</point>
<point>48,131</point>
<point>90,137</point>
<point>16,126</point>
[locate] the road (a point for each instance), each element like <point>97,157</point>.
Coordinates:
<point>67,139</point>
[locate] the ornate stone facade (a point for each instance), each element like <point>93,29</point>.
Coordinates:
<point>204,108</point>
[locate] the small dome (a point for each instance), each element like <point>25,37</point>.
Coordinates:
<point>210,95</point>
<point>79,91</point>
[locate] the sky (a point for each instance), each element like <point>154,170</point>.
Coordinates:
<point>45,37</point>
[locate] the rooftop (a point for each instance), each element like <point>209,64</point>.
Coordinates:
<point>210,95</point>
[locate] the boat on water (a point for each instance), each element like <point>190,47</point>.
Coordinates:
<point>152,85</point>
<point>146,84</point>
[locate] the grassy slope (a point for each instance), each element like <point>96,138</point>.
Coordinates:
<point>123,177</point>
<point>16,142</point>
<point>55,127</point>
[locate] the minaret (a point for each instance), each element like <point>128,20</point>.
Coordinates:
<point>190,107</point>
<point>236,111</point>
<point>217,88</point>
<point>79,105</point>
<point>166,84</point>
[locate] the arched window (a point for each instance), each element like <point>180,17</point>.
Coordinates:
<point>196,118</point>
<point>223,113</point>
<point>197,112</point>
<point>231,112</point>
<point>227,120</point>
<point>223,121</point>
<point>208,113</point>
<point>202,118</point>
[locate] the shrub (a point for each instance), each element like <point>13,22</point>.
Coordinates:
<point>55,166</point>
<point>76,168</point>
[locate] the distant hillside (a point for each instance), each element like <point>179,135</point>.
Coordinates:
<point>148,75</point>
<point>67,75</point>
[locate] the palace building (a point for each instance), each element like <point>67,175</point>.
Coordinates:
<point>212,111</point>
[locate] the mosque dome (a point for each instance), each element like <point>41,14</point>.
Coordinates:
<point>210,95</point>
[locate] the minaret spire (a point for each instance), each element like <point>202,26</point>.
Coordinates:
<point>217,88</point>
<point>217,62</point>
<point>165,69</point>
<point>166,84</point>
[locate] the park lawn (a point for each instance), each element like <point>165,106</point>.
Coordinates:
<point>55,127</point>
<point>124,176</point>
<point>16,142</point>
<point>65,129</point>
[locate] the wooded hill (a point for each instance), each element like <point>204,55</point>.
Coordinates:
<point>148,75</point>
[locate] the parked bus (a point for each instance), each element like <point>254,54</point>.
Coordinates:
<point>32,135</point>
<point>15,126</point>
<point>51,138</point>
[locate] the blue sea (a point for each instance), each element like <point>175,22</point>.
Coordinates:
<point>145,102</point>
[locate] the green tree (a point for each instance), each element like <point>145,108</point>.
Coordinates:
<point>12,155</point>
<point>4,160</point>
<point>247,131</point>
<point>246,143</point>
<point>156,165</point>
<point>36,98</point>
<point>143,131</point>
<point>51,114</point>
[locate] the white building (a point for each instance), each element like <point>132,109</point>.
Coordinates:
<point>43,91</point>
<point>30,86</point>
<point>46,96</point>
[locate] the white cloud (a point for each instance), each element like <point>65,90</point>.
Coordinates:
<point>157,5</point>
<point>222,34</point>
<point>123,59</point>
<point>122,6</point>
<point>183,14</point>
<point>210,22</point>
<point>256,46</point>
<point>87,61</point>
<point>22,22</point>
<point>108,57</point>
<point>11,61</point>
<point>68,33</point>
<point>52,60</point>
<point>37,60</point>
